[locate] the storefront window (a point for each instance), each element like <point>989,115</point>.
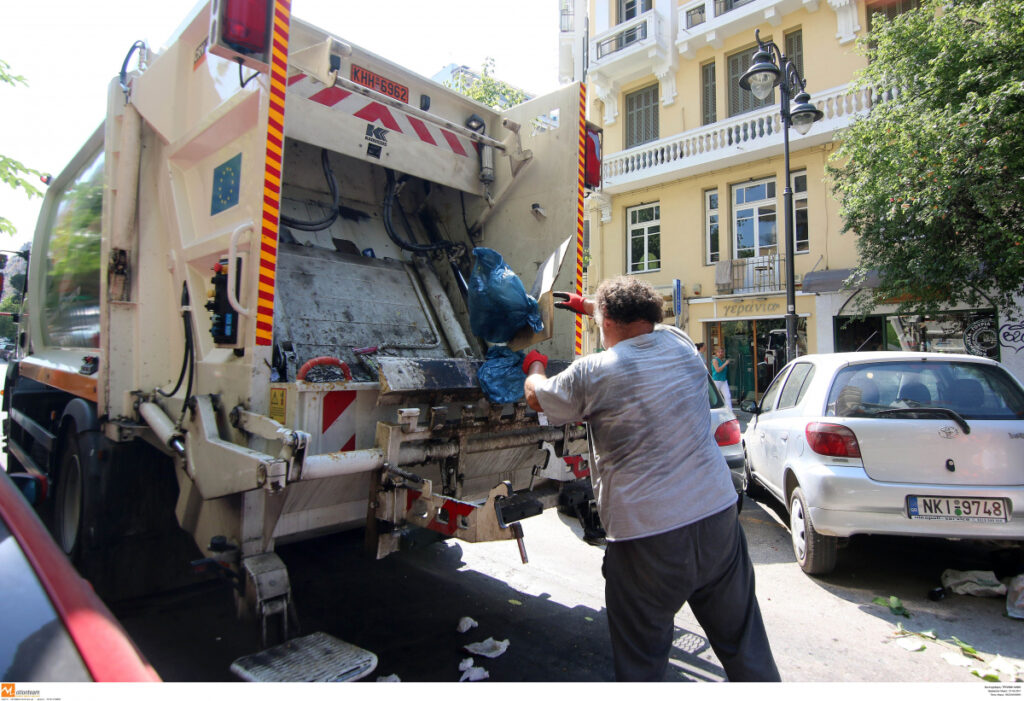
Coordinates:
<point>972,332</point>
<point>758,350</point>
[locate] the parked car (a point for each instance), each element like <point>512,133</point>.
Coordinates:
<point>727,434</point>
<point>899,443</point>
<point>56,629</point>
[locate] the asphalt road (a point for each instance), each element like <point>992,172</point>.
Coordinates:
<point>405,609</point>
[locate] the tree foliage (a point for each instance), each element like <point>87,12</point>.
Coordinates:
<point>12,172</point>
<point>932,179</point>
<point>486,88</point>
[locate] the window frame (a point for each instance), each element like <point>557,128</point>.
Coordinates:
<point>758,215</point>
<point>712,217</point>
<point>708,93</point>
<point>631,129</point>
<point>801,235</point>
<point>644,226</point>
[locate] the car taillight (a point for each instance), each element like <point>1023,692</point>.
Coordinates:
<point>728,433</point>
<point>833,440</point>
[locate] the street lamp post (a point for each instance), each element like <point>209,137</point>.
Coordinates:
<point>768,68</point>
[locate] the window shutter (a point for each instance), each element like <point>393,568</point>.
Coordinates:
<point>709,106</point>
<point>795,50</point>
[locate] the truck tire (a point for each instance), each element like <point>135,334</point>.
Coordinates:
<point>76,519</point>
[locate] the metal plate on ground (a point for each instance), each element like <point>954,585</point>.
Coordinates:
<point>318,657</point>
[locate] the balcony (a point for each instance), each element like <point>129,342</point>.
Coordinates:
<point>633,49</point>
<point>759,275</point>
<point>740,139</point>
<point>710,22</point>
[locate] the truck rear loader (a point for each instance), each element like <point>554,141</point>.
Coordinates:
<point>247,308</point>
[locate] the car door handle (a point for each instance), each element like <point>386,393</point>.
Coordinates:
<point>783,438</point>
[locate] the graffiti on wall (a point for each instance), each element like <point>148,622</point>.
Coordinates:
<point>1012,336</point>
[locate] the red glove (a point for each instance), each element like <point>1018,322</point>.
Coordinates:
<point>533,357</point>
<point>572,301</point>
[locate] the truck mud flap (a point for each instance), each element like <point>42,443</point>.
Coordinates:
<point>313,658</point>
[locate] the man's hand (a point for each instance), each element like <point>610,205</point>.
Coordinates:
<point>532,357</point>
<point>571,301</point>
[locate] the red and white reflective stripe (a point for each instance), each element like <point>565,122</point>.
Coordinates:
<point>338,421</point>
<point>374,112</point>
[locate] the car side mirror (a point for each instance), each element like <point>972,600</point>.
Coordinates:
<point>750,406</point>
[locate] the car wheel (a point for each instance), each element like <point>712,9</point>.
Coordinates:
<point>815,553</point>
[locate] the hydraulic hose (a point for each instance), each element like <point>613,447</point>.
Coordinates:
<point>391,194</point>
<point>332,185</point>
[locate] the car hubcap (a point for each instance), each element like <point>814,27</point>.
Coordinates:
<point>71,506</point>
<point>798,527</point>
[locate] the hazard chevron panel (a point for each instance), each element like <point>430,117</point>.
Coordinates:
<point>338,421</point>
<point>378,115</point>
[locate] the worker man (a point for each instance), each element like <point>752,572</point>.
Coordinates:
<point>663,489</point>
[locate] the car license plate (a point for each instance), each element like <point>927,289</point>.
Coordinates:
<point>957,509</point>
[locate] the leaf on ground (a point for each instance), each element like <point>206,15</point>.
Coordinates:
<point>986,674</point>
<point>956,660</point>
<point>893,603</point>
<point>515,602</point>
<point>965,648</point>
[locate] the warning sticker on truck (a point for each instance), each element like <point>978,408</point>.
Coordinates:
<point>380,84</point>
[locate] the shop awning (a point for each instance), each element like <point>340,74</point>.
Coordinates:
<point>833,280</point>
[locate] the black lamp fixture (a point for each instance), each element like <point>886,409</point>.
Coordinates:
<point>769,68</point>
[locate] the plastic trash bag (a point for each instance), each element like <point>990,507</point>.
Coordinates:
<point>501,376</point>
<point>1015,597</point>
<point>498,303</point>
<point>973,582</point>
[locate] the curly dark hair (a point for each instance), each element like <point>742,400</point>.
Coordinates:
<point>625,299</point>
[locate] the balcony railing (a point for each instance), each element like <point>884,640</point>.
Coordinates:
<point>735,140</point>
<point>723,6</point>
<point>621,39</point>
<point>762,274</point>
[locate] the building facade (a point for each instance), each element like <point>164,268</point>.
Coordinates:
<point>694,175</point>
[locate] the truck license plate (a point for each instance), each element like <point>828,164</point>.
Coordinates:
<point>957,509</point>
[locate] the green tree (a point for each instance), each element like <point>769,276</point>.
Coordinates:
<point>486,88</point>
<point>9,305</point>
<point>932,179</point>
<point>12,172</point>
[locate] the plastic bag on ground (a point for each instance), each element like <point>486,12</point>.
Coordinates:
<point>973,582</point>
<point>498,303</point>
<point>488,648</point>
<point>501,375</point>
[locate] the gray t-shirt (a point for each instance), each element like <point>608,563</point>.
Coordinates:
<point>646,399</point>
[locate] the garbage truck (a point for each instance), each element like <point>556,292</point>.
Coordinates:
<point>246,310</point>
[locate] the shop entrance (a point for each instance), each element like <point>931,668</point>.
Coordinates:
<point>758,350</point>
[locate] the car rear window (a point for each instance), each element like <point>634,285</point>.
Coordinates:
<point>973,390</point>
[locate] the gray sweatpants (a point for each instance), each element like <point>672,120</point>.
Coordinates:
<point>647,580</point>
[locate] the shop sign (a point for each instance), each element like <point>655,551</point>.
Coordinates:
<point>751,308</point>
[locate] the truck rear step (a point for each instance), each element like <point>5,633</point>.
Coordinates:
<point>313,658</point>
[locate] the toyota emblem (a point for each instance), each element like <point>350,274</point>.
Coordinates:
<point>948,431</point>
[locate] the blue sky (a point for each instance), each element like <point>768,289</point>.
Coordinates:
<point>68,50</point>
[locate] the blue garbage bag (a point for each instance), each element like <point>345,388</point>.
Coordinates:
<point>498,303</point>
<point>501,376</point>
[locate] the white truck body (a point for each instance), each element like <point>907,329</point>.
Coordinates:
<point>193,171</point>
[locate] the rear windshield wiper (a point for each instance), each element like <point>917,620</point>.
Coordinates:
<point>948,413</point>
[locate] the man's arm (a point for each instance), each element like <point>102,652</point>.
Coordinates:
<point>535,366</point>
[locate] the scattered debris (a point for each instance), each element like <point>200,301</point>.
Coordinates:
<point>973,582</point>
<point>588,619</point>
<point>389,678</point>
<point>956,659</point>
<point>910,644</point>
<point>515,602</point>
<point>474,674</point>
<point>465,623</point>
<point>488,648</point>
<point>893,603</point>
<point>937,594</point>
<point>966,649</point>
<point>1015,597</point>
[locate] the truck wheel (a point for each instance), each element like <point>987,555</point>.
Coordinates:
<point>815,553</point>
<point>77,522</point>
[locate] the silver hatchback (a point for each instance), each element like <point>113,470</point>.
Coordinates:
<point>921,444</point>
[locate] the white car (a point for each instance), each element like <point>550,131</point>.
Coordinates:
<point>899,443</point>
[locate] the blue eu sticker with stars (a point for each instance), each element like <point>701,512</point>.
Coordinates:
<point>226,179</point>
